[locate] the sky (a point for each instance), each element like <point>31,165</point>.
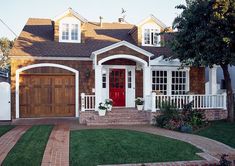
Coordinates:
<point>15,13</point>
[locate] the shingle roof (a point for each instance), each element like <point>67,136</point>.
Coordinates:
<point>37,39</point>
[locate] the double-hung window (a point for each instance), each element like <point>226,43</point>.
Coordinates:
<point>74,31</point>
<point>65,31</point>
<point>70,30</point>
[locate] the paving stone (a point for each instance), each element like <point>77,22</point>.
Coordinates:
<point>9,139</point>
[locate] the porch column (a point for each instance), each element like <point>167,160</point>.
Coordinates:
<point>213,80</point>
<point>147,87</point>
<point>98,85</point>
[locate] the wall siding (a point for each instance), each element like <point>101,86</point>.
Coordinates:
<point>197,80</point>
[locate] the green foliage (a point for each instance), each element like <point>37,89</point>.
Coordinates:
<point>185,120</point>
<point>29,150</point>
<point>221,131</point>
<point>206,32</point>
<point>195,118</point>
<point>5,46</point>
<point>109,146</point>
<point>206,37</point>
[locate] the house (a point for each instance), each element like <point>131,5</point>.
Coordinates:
<point>219,79</point>
<point>66,66</point>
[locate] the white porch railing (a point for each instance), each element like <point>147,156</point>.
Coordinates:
<point>87,102</point>
<point>198,101</point>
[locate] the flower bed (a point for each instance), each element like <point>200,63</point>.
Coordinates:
<point>186,120</point>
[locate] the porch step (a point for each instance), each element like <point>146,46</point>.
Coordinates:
<point>120,117</point>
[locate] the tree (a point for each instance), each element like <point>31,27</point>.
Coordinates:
<point>205,37</point>
<point>5,46</point>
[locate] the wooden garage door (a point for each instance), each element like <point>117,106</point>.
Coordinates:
<point>47,96</point>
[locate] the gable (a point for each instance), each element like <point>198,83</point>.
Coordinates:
<point>68,16</point>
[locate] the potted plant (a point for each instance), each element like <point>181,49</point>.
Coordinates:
<point>102,109</point>
<point>109,104</point>
<point>139,103</point>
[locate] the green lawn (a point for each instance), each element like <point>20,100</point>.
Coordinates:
<point>109,146</point>
<point>5,128</point>
<point>29,150</point>
<point>221,131</point>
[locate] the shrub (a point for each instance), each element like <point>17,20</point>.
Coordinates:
<point>185,120</point>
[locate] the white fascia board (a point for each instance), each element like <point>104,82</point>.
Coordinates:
<point>51,58</point>
<point>75,14</point>
<point>122,43</point>
<point>160,23</point>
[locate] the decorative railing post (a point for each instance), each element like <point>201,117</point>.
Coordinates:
<point>153,101</point>
<point>83,102</point>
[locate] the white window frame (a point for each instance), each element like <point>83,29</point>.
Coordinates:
<point>169,76</point>
<point>70,21</point>
<point>151,27</point>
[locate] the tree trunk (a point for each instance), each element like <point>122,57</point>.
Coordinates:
<point>229,90</point>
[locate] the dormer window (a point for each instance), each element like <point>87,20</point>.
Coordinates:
<point>74,31</point>
<point>65,31</point>
<point>150,35</point>
<point>70,31</point>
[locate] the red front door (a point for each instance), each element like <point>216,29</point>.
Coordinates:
<point>117,87</point>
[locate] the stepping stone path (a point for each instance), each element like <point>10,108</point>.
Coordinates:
<point>9,139</point>
<point>57,149</point>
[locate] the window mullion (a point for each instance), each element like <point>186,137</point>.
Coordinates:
<point>169,82</point>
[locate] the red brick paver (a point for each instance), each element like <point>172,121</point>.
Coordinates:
<point>57,149</point>
<point>8,140</point>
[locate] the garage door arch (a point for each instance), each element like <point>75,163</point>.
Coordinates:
<point>76,72</point>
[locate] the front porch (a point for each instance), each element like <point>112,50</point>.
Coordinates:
<point>213,105</point>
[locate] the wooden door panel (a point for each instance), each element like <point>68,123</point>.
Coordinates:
<point>47,96</point>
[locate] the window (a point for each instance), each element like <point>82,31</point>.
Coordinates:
<point>159,81</point>
<point>70,30</point>
<point>151,37</point>
<point>65,31</point>
<point>104,80</point>
<point>129,83</point>
<point>178,86</point>
<point>74,31</point>
<point>170,82</point>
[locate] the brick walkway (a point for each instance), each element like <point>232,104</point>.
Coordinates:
<point>57,149</point>
<point>212,147</point>
<point>8,140</point>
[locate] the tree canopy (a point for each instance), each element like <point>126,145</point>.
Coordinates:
<point>206,37</point>
<point>5,46</point>
<point>205,32</point>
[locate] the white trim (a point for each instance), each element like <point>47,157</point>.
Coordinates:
<point>70,21</point>
<point>18,71</point>
<point>161,61</point>
<point>124,56</point>
<point>127,68</point>
<point>157,21</point>
<point>150,27</point>
<point>75,14</point>
<point>169,76</point>
<point>51,58</point>
<point>122,43</point>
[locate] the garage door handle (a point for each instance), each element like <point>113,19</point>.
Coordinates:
<point>9,102</point>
